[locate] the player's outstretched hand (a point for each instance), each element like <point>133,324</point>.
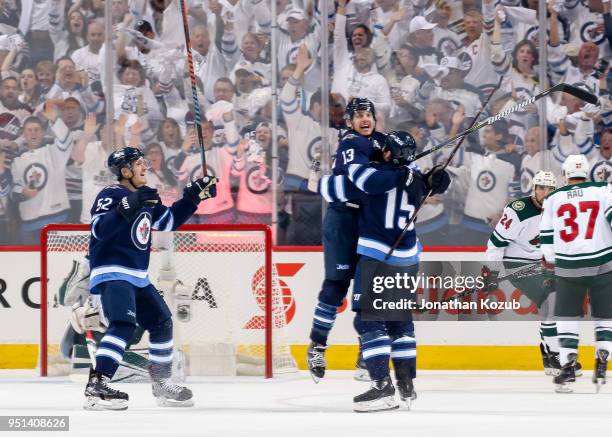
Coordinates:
<point>201,189</point>
<point>131,204</point>
<point>437,180</point>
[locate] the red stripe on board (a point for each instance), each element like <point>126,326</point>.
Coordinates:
<point>19,248</point>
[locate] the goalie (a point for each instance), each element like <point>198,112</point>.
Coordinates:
<point>85,317</point>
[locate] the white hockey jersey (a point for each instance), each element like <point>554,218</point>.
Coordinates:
<point>488,181</point>
<point>516,235</point>
<point>576,233</point>
<point>44,169</point>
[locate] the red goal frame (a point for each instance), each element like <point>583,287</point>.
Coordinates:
<point>189,227</point>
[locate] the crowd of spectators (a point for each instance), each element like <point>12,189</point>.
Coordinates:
<point>428,65</point>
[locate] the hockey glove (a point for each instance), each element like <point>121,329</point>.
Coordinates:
<point>490,279</point>
<point>131,204</point>
<point>88,316</point>
<point>437,180</point>
<point>200,189</point>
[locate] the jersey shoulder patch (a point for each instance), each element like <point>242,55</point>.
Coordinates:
<point>524,208</point>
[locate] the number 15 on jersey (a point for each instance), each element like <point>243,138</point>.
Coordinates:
<point>403,214</point>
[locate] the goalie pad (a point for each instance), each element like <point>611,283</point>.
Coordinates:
<point>177,292</point>
<point>75,287</point>
<point>88,317</point>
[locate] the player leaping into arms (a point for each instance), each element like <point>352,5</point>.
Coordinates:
<point>514,244</point>
<point>576,241</point>
<point>119,250</point>
<point>340,232</point>
<point>387,198</point>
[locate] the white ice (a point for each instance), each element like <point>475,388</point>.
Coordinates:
<point>474,404</point>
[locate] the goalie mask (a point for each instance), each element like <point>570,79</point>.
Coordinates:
<point>402,147</point>
<point>576,166</point>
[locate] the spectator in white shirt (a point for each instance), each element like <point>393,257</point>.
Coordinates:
<point>88,58</point>
<point>364,82</point>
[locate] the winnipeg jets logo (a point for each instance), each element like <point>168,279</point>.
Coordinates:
<point>591,31</point>
<point>602,172</point>
<point>35,176</point>
<point>526,180</point>
<point>141,231</point>
<point>486,181</point>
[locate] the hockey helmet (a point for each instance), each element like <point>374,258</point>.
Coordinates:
<point>576,166</point>
<point>402,146</point>
<point>544,179</point>
<point>359,104</point>
<point>123,158</point>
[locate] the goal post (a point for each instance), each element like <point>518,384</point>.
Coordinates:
<point>227,299</point>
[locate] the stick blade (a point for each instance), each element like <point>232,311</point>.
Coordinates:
<point>578,92</point>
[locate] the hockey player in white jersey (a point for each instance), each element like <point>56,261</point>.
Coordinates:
<point>514,244</point>
<point>576,241</point>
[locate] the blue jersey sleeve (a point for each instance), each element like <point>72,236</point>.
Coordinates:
<point>106,221</point>
<point>170,218</point>
<point>374,181</point>
<point>366,181</point>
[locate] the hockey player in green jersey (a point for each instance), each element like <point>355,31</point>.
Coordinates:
<point>576,241</point>
<point>514,244</point>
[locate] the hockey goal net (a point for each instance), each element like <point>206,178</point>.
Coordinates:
<point>228,307</point>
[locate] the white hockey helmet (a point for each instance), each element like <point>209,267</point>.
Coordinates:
<point>576,166</point>
<point>544,179</point>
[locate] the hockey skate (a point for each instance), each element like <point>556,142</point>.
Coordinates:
<point>565,380</point>
<point>552,366</point>
<point>406,391</point>
<point>578,369</point>
<point>599,371</point>
<point>99,396</point>
<point>361,371</point>
<point>168,394</point>
<point>316,361</point>
<point>380,397</point>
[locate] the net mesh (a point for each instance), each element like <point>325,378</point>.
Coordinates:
<point>214,283</point>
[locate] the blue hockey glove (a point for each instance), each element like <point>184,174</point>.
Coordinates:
<point>437,180</point>
<point>133,202</point>
<point>200,189</point>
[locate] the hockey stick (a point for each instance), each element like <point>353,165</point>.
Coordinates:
<point>194,88</point>
<point>563,87</point>
<point>399,239</point>
<point>525,272</point>
<point>91,347</point>
<point>574,91</point>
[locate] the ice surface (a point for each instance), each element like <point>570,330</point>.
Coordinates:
<point>475,404</point>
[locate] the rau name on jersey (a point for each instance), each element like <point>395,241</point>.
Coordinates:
<point>574,193</point>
